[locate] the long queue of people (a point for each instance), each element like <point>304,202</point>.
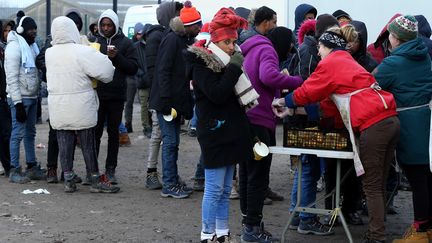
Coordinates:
<point>183,69</point>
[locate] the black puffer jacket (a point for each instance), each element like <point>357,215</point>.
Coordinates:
<point>170,86</point>
<point>141,77</point>
<point>125,62</point>
<point>362,56</point>
<point>154,37</point>
<point>307,58</point>
<point>216,101</point>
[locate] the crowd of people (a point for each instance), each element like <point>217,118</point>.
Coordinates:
<point>184,69</point>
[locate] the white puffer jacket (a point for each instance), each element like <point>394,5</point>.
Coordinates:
<point>72,102</point>
<point>21,82</point>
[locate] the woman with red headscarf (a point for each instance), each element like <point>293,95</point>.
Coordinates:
<point>223,129</point>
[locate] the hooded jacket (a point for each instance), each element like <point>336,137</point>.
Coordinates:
<point>407,74</point>
<point>125,62</point>
<point>72,102</point>
<point>154,37</point>
<point>214,83</point>
<point>300,13</point>
<point>21,82</point>
<point>170,87</point>
<point>362,56</point>
<point>424,32</point>
<point>378,49</point>
<point>261,64</point>
<point>367,108</point>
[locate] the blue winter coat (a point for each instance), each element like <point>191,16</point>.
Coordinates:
<point>407,74</point>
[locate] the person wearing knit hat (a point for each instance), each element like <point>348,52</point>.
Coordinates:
<point>223,129</point>
<point>407,74</point>
<point>189,15</point>
<point>324,21</point>
<point>342,17</point>
<point>404,28</point>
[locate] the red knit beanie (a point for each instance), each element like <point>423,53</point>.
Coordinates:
<point>189,15</point>
<point>225,24</point>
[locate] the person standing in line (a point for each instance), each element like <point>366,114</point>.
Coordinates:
<point>23,88</point>
<point>112,95</point>
<point>170,90</point>
<point>72,101</point>
<point>223,128</point>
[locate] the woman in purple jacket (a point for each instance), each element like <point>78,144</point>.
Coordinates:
<point>262,58</point>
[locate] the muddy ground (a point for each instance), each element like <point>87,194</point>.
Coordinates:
<point>139,215</point>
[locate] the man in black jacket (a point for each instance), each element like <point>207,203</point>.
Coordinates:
<point>170,90</point>
<point>112,95</point>
<point>5,117</point>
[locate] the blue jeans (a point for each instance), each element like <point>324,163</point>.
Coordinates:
<point>215,203</point>
<point>25,130</point>
<point>311,173</point>
<point>194,120</point>
<point>170,132</point>
<point>199,173</point>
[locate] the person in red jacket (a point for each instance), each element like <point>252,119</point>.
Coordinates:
<point>370,111</point>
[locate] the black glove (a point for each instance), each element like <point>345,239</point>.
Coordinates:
<point>21,115</point>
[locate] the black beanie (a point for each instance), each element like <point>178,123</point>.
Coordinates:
<point>324,21</point>
<point>28,23</point>
<point>76,18</point>
<point>340,13</point>
<point>281,38</point>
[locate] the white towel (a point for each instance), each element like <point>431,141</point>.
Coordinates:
<point>28,53</point>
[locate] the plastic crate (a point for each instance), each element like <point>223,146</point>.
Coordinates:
<point>312,138</point>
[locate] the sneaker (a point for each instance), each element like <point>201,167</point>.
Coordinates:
<point>412,236</point>
<point>70,186</point>
<point>75,178</point>
<point>52,175</point>
<point>255,234</point>
<point>100,183</point>
<point>192,132</point>
<point>226,239</point>
<point>234,193</point>
<point>294,222</point>
<point>273,195</point>
<point>353,218</point>
<point>111,177</point>
<point>366,239</point>
<point>16,176</point>
<point>152,181</point>
<point>175,191</point>
<point>212,240</point>
<point>87,180</point>
<point>313,226</point>
<point>267,201</point>
<point>183,185</point>
<point>198,185</point>
<point>36,173</point>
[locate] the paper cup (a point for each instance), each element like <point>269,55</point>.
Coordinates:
<point>172,116</point>
<point>110,47</point>
<point>95,45</point>
<point>260,150</point>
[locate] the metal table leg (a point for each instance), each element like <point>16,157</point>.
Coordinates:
<point>337,199</point>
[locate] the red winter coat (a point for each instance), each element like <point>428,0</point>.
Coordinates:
<point>339,73</point>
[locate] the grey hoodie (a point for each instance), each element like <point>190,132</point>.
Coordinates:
<point>109,13</point>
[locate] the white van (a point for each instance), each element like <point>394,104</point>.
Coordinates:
<point>146,14</point>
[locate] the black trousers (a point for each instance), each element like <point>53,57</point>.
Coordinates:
<point>5,133</point>
<point>109,113</point>
<point>254,179</point>
<point>350,189</point>
<point>420,179</point>
<point>66,142</point>
<point>53,148</point>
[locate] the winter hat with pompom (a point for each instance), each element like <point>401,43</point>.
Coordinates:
<point>189,15</point>
<point>404,27</point>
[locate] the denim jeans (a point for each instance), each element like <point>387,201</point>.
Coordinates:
<point>215,203</point>
<point>194,120</point>
<point>311,173</point>
<point>199,172</point>
<point>25,130</point>
<point>5,133</point>
<point>170,132</point>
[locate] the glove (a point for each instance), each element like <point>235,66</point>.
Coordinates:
<point>289,101</point>
<point>237,59</point>
<point>21,115</point>
<point>312,111</point>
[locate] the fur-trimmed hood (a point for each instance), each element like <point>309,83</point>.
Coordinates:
<point>209,58</point>
<point>177,26</point>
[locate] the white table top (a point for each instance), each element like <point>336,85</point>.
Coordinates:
<point>318,152</point>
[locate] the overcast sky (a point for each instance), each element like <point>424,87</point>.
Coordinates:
<point>16,3</point>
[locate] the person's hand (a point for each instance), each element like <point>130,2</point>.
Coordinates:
<point>21,115</point>
<point>282,112</point>
<point>112,52</point>
<point>237,59</point>
<point>278,102</point>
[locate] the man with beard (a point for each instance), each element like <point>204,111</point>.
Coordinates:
<point>23,87</point>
